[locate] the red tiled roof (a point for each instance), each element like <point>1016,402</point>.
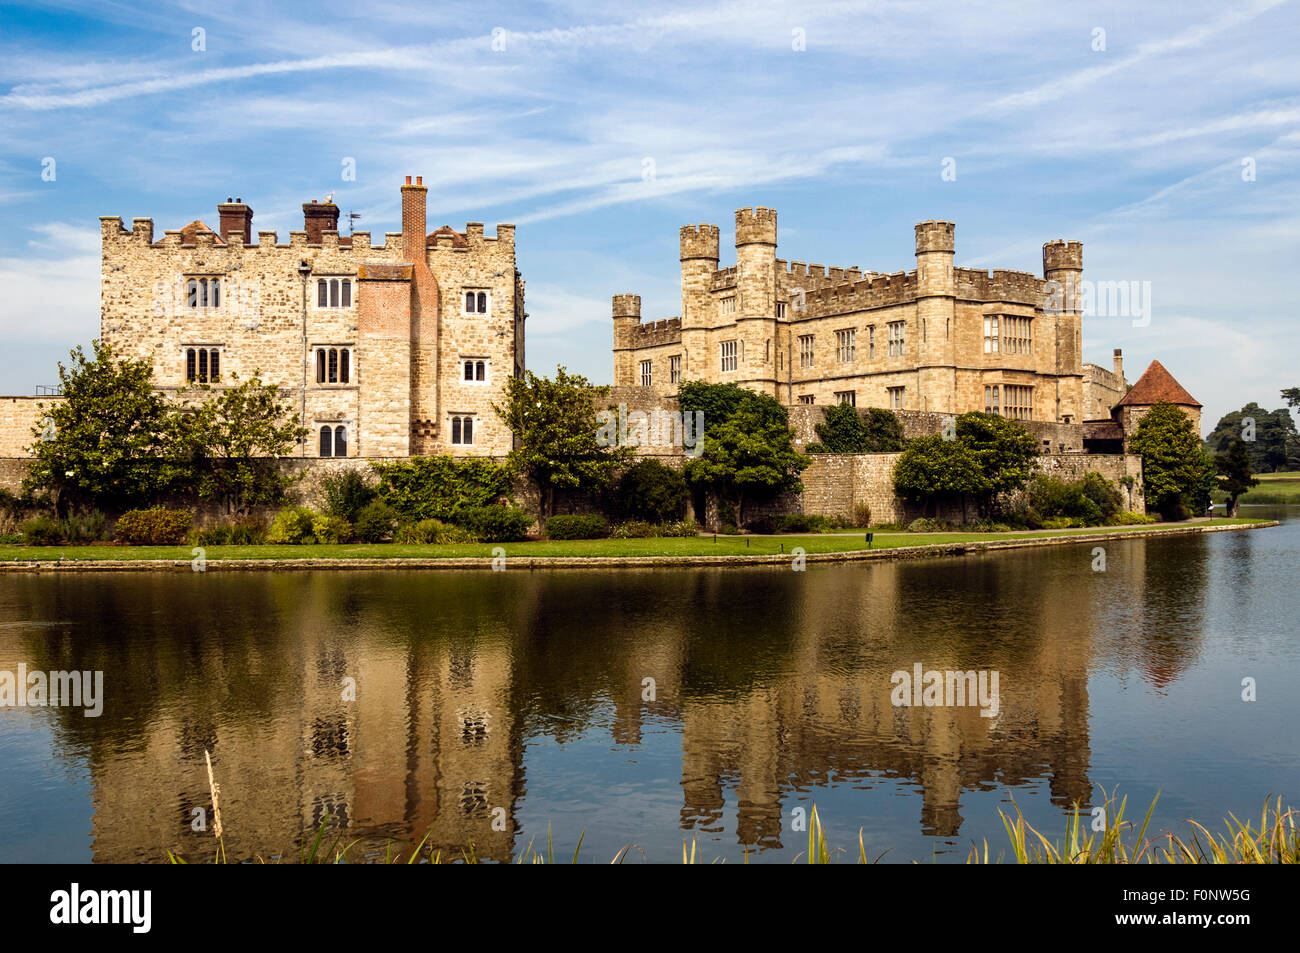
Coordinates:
<point>457,239</point>
<point>1157,384</point>
<point>192,229</point>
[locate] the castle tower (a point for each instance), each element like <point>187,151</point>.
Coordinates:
<point>936,318</point>
<point>425,425</point>
<point>1063,275</point>
<point>627,320</point>
<point>756,290</point>
<point>699,257</point>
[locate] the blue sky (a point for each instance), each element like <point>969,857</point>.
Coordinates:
<point>1136,149</point>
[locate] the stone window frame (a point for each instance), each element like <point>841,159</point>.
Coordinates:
<point>479,298</point>
<point>344,367</point>
<point>808,400</point>
<point>336,288</point>
<point>198,360</point>
<point>456,429</point>
<point>781,309</point>
<point>992,333</point>
<point>897,395</point>
<point>647,373</point>
<point>330,435</point>
<point>993,399</point>
<point>897,338</point>
<point>1018,401</point>
<point>1017,334</point>
<point>849,397</point>
<point>729,354</point>
<point>196,292</point>
<point>675,369</point>
<point>846,345</point>
<point>727,305</point>
<point>871,342</point>
<point>807,350</point>
<point>481,369</point>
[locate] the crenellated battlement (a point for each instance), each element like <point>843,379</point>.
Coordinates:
<point>755,226</point>
<point>699,241</point>
<point>935,236</point>
<point>627,306</point>
<point>1062,255</point>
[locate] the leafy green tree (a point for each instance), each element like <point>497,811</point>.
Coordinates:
<point>720,402</point>
<point>845,431</point>
<point>1275,441</point>
<point>556,434</point>
<point>1177,471</point>
<point>231,437</point>
<point>652,491</point>
<point>108,442</point>
<point>1235,475</point>
<point>934,470</point>
<point>1005,452</point>
<point>1292,396</point>
<point>748,456</point>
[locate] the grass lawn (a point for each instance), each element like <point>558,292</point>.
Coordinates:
<point>841,541</point>
<point>1273,488</point>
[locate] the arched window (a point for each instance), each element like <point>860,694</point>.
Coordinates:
<point>467,430</point>
<point>322,293</point>
<point>340,441</point>
<point>214,288</point>
<point>344,360</point>
<point>192,293</point>
<point>326,441</point>
<point>203,365</point>
<point>480,371</point>
<point>320,366</point>
<point>482,302</point>
<point>469,302</point>
<point>469,370</point>
<point>333,292</point>
<point>455,430</point>
<point>214,364</point>
<point>191,367</point>
<point>347,293</point>
<point>334,365</point>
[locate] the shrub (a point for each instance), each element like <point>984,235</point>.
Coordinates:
<point>423,488</point>
<point>42,531</point>
<point>158,526</point>
<point>802,523</point>
<point>331,529</point>
<point>292,525</point>
<point>345,494</point>
<point>9,539</point>
<point>1125,518</point>
<point>681,528</point>
<point>651,491</point>
<point>424,532</point>
<point>927,525</point>
<point>1060,522</point>
<point>248,531</point>
<point>213,536</point>
<point>375,522</point>
<point>635,529</point>
<point>578,526</point>
<point>496,524</point>
<point>1103,493</point>
<point>1089,501</point>
<point>87,528</point>
<point>862,515</point>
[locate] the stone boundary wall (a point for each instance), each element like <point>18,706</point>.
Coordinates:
<point>1053,437</point>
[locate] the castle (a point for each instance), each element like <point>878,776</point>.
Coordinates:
<point>937,339</point>
<point>386,350</point>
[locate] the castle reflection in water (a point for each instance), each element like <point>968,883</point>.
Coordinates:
<point>774,681</point>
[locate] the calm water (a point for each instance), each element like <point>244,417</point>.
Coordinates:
<point>519,697</point>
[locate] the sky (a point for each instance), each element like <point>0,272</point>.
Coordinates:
<point>1165,137</point>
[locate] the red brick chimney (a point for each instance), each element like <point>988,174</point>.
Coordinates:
<point>318,217</point>
<point>414,220</point>
<point>235,217</point>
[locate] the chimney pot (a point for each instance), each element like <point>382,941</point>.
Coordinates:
<point>408,180</point>
<point>419,180</point>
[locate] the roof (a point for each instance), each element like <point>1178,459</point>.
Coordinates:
<point>1157,384</point>
<point>458,240</point>
<point>193,228</point>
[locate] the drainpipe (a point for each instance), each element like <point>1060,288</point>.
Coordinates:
<point>304,270</point>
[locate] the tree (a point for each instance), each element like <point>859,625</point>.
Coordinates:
<point>1270,436</point>
<point>933,469</point>
<point>231,440</point>
<point>1292,396</point>
<point>108,442</point>
<point>1176,469</point>
<point>720,402</point>
<point>555,428</point>
<point>1235,474</point>
<point>845,431</point>
<point>749,455</point>
<point>1005,452</point>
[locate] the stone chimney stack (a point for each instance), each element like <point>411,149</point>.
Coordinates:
<point>317,218</point>
<point>1119,363</point>
<point>235,217</point>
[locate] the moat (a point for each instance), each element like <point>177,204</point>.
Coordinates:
<point>653,706</point>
